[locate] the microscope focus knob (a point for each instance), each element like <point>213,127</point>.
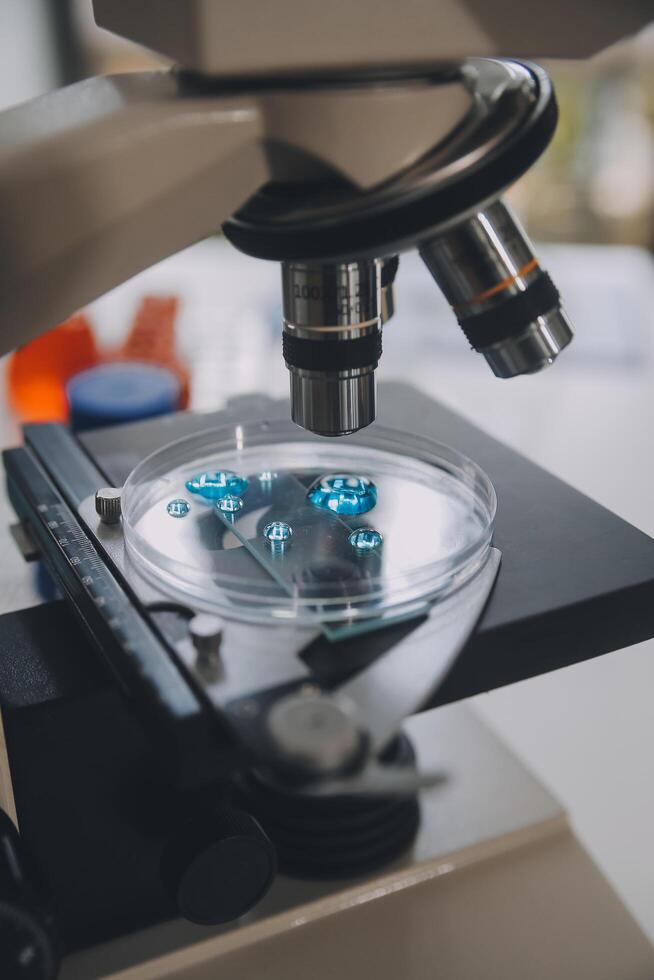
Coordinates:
<point>28,947</point>
<point>108,504</point>
<point>219,867</point>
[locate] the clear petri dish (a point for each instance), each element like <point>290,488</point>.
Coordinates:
<point>259,522</point>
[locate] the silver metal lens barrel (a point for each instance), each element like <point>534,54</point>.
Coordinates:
<point>533,349</point>
<point>507,306</point>
<point>332,343</point>
<point>332,404</point>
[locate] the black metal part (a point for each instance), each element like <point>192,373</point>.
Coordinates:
<point>75,474</point>
<point>195,83</point>
<point>70,47</point>
<point>219,866</point>
<point>389,269</point>
<point>332,355</point>
<point>129,643</point>
<point>97,804</point>
<point>576,582</point>
<point>513,315</point>
<point>77,754</point>
<point>29,948</point>
<point>342,223</point>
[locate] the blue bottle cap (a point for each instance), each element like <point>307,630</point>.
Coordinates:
<point>124,391</point>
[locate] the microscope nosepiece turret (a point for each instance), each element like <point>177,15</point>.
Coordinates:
<point>338,242</point>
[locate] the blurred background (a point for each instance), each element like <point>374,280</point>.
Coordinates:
<point>588,731</point>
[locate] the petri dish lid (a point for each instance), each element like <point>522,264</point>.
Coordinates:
<point>206,519</point>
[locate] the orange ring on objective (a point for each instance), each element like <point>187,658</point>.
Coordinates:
<point>500,286</point>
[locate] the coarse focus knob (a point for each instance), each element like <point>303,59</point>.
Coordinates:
<point>28,948</point>
<point>219,867</point>
<point>107,504</point>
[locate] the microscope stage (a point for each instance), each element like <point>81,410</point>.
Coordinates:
<point>575,580</point>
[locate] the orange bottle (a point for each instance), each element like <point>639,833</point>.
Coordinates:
<point>37,373</point>
<point>152,339</point>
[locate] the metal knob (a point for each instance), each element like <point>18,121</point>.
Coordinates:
<point>316,731</point>
<point>206,634</point>
<point>107,504</point>
<point>389,268</point>
<point>29,949</point>
<point>218,867</point>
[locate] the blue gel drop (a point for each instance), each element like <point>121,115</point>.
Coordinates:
<point>344,494</point>
<point>178,507</point>
<point>278,533</point>
<point>365,539</point>
<point>215,485</point>
<point>229,504</point>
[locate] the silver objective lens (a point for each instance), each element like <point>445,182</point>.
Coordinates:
<point>507,306</point>
<point>332,343</point>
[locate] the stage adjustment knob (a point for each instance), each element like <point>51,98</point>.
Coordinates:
<point>219,867</point>
<point>107,504</point>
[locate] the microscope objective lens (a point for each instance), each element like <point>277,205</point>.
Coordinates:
<point>214,486</point>
<point>178,507</point>
<point>365,540</point>
<point>229,504</point>
<point>344,494</point>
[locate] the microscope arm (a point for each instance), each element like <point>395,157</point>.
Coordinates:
<point>102,179</point>
<point>105,178</point>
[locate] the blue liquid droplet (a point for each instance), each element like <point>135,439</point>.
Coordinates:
<point>178,507</point>
<point>216,485</point>
<point>278,532</point>
<point>229,504</point>
<point>344,494</point>
<point>365,539</point>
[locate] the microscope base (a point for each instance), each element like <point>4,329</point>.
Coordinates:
<point>496,886</point>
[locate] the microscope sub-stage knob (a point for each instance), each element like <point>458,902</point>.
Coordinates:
<point>218,867</point>
<point>316,731</point>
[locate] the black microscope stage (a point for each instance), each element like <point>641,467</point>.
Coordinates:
<point>575,582</point>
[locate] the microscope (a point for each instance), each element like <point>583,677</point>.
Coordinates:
<point>161,788</point>
<point>327,140</point>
